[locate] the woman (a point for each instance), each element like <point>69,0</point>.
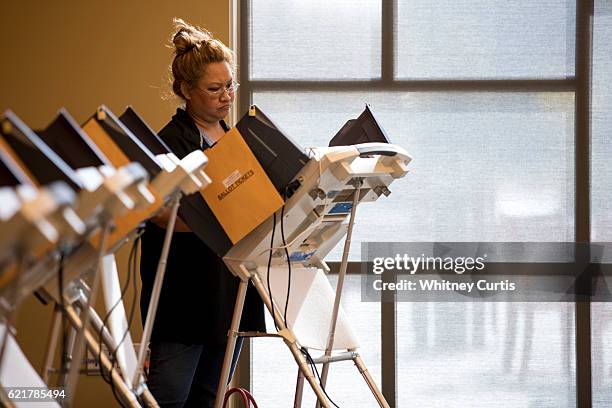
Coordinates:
<point>198,294</point>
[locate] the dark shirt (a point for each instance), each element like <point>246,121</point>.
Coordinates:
<point>199,291</point>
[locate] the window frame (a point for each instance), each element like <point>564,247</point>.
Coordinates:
<point>580,84</point>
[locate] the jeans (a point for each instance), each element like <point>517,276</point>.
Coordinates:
<point>187,375</point>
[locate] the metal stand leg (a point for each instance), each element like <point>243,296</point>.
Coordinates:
<point>289,337</point>
<point>75,321</point>
<point>4,399</point>
<point>147,398</point>
<point>299,389</point>
<point>66,357</point>
<point>341,275</point>
<point>107,339</point>
<point>157,286</point>
<point>126,395</point>
<point>79,346</point>
<point>56,326</point>
<point>370,381</point>
<point>290,341</point>
<point>231,343</point>
<point>11,316</point>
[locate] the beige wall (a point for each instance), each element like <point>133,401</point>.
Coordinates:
<point>78,55</point>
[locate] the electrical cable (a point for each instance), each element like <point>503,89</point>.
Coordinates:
<point>268,271</point>
<point>112,355</point>
<point>310,227</point>
<point>315,371</point>
<point>303,349</point>
<point>288,263</point>
<point>133,265</point>
<point>132,260</point>
<point>282,216</point>
<point>285,247</point>
<point>60,277</point>
<point>130,276</point>
<point>110,311</point>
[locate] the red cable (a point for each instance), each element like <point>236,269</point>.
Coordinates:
<point>247,398</point>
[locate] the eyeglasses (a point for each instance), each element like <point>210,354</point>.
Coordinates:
<point>218,91</point>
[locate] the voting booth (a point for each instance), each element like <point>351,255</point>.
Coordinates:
<point>321,198</point>
<point>75,200</point>
<point>270,208</point>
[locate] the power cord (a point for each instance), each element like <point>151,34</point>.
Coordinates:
<point>110,311</point>
<point>132,260</point>
<point>288,261</point>
<point>313,367</point>
<point>62,303</point>
<point>285,246</point>
<point>133,265</point>
<point>303,349</point>
<point>269,265</point>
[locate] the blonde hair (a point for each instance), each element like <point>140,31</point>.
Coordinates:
<point>194,48</point>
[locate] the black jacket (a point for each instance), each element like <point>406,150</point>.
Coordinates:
<point>198,293</point>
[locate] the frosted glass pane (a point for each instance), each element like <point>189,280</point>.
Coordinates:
<point>315,39</point>
<point>601,194</point>
<point>487,166</point>
<point>272,362</point>
<point>601,142</point>
<point>601,348</point>
<point>478,39</point>
<point>486,355</point>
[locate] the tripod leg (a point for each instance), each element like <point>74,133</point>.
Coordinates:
<point>299,388</point>
<point>231,343</point>
<point>305,369</point>
<point>289,339</point>
<point>4,399</point>
<point>147,398</point>
<point>156,292</point>
<point>107,339</point>
<point>11,316</point>
<point>370,381</point>
<point>345,253</point>
<point>79,345</point>
<point>126,395</point>
<point>68,349</point>
<point>52,342</point>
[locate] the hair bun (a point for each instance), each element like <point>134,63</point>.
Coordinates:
<point>183,42</point>
<point>194,48</point>
<point>188,37</point>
